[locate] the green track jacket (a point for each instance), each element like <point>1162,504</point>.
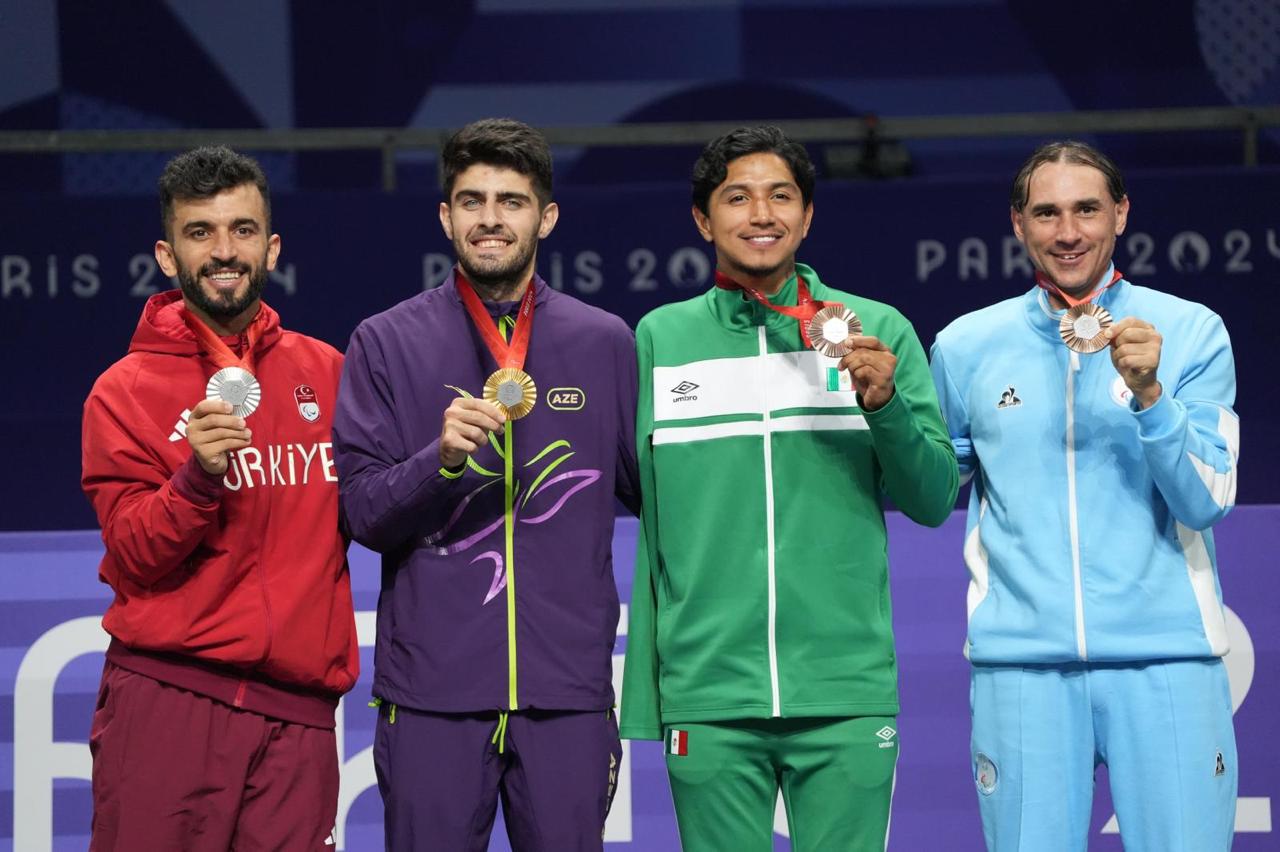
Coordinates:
<point>761,586</point>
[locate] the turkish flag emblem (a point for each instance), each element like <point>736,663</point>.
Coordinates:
<point>308,406</point>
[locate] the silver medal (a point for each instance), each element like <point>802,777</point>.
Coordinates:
<point>237,386</point>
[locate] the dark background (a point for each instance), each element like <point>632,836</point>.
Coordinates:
<point>76,230</point>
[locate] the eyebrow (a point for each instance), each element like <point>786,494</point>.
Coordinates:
<point>501,196</point>
<point>208,226</point>
<point>1050,207</point>
<point>743,187</point>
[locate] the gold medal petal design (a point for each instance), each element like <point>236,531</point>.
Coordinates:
<point>237,386</point>
<point>511,390</point>
<point>1082,328</point>
<point>830,328</point>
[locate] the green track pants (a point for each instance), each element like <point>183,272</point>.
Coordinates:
<point>836,777</point>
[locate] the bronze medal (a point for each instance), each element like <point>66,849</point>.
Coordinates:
<point>830,328</point>
<point>1082,328</point>
<point>511,390</point>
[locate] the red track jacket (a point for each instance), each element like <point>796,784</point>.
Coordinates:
<point>236,588</point>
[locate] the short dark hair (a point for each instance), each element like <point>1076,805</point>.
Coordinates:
<point>502,142</point>
<point>205,172</point>
<point>713,166</point>
<point>1071,151</point>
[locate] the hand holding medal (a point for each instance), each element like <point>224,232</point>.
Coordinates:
<point>1135,353</point>
<point>213,431</point>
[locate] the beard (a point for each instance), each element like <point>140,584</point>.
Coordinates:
<point>222,306</point>
<point>495,276</point>
<point>765,270</point>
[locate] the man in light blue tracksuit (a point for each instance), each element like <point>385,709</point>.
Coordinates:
<point>1096,626</point>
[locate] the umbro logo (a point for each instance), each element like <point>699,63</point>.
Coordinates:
<point>180,428</point>
<point>887,734</point>
<point>685,391</point>
<point>1009,399</point>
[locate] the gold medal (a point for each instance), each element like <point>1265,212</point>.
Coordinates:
<point>237,386</point>
<point>830,328</point>
<point>1082,328</point>
<point>511,390</point>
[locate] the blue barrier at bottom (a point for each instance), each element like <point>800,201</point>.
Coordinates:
<point>51,647</point>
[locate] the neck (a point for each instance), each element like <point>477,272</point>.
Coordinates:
<point>503,292</point>
<point>227,327</point>
<point>767,284</point>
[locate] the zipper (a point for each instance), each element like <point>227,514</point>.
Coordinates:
<point>1073,516</point>
<point>509,531</point>
<point>768,526</point>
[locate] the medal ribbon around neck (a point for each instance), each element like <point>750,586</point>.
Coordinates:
<point>805,310</point>
<point>510,388</point>
<point>1084,322</point>
<point>1043,282</point>
<point>234,382</point>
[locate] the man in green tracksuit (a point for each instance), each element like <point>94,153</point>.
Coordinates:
<point>760,645</point>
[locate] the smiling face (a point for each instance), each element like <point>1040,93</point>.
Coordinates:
<point>756,219</point>
<point>1069,225</point>
<point>495,223</point>
<point>220,251</point>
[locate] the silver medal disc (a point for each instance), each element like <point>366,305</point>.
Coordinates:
<point>237,386</point>
<point>510,393</point>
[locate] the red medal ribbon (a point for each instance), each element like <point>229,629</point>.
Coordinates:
<point>505,355</point>
<point>218,351</point>
<point>806,305</point>
<point>1043,282</point>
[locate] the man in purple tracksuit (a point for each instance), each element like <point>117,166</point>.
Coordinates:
<point>498,610</point>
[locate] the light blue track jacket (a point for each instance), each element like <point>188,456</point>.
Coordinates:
<point>1088,533</point>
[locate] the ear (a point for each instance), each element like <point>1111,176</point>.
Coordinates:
<point>550,215</point>
<point>445,222</point>
<point>1016,219</point>
<point>165,258</point>
<point>808,220</point>
<point>273,251</point>
<point>1122,215</point>
<point>703,221</point>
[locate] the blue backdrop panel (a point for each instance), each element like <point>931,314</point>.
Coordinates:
<point>75,272</point>
<point>50,662</point>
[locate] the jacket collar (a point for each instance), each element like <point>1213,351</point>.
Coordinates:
<point>738,312</point>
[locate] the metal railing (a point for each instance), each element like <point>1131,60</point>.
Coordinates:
<point>392,141</point>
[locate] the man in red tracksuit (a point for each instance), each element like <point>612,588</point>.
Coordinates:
<point>207,457</point>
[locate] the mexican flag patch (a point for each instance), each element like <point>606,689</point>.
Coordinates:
<point>678,742</point>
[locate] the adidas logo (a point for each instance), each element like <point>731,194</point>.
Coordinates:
<point>180,428</point>
<point>684,391</point>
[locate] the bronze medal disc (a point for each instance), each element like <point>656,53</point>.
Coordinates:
<point>830,328</point>
<point>237,386</point>
<point>511,390</point>
<point>1082,328</point>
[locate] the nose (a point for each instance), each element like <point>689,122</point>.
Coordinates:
<point>1068,230</point>
<point>761,212</point>
<point>224,247</point>
<point>489,215</point>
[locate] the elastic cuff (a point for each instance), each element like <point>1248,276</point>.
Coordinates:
<point>196,484</point>
<point>1161,419</point>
